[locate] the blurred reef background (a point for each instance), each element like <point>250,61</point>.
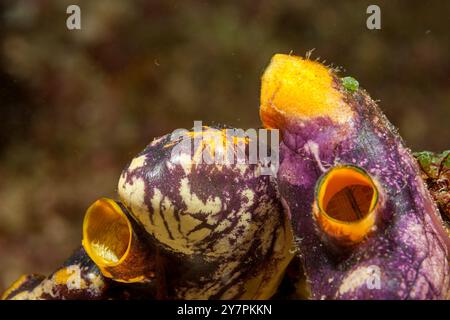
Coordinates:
<point>76,106</point>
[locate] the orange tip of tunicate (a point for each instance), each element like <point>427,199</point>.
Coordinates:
<point>295,88</point>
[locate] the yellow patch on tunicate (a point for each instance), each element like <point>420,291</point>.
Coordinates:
<point>243,239</point>
<point>296,88</point>
<point>199,235</point>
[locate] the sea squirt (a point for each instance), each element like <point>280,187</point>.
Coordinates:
<point>218,229</point>
<point>364,221</point>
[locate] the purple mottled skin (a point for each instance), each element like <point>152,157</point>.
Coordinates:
<point>409,247</point>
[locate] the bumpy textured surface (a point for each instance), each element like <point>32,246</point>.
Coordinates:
<point>409,246</point>
<point>222,226</point>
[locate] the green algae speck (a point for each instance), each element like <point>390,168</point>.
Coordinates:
<point>350,84</point>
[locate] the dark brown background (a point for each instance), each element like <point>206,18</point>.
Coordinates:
<point>77,105</point>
